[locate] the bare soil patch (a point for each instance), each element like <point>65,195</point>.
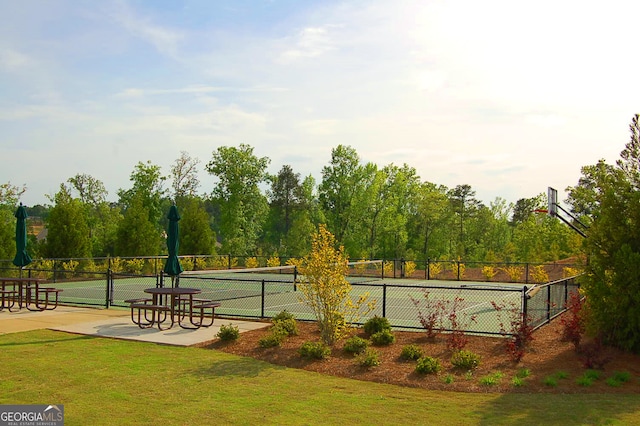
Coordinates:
<point>547,357</point>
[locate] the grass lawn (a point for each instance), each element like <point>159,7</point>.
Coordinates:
<point>103,381</point>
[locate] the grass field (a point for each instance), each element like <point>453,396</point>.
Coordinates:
<point>103,382</point>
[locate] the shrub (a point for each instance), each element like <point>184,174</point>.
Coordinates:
<point>376,324</point>
<point>572,321</point>
<point>435,269</point>
<point>518,382</point>
<point>314,350</point>
<point>523,373</point>
<point>326,290</point>
<point>491,379</point>
<point>369,358</point>
<point>283,315</point>
<point>355,345</point>
<point>228,333</point>
<point>409,268</point>
<point>251,262</point>
<point>272,340</point>
<point>273,261</point>
<point>287,327</point>
<point>539,274</point>
<point>428,365</point>
<point>448,379</point>
<point>411,353</point>
<point>489,272</point>
<point>618,378</point>
<point>514,272</point>
<point>383,338</point>
<point>465,359</point>
<point>286,322</point>
<point>550,381</point>
<point>519,330</point>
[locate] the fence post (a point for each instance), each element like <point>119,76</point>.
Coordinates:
<point>295,278</point>
<point>458,263</point>
<point>426,270</point>
<point>526,273</point>
<point>525,307</point>
<point>108,289</point>
<point>262,301</point>
<point>228,261</point>
<point>382,269</point>
<point>384,300</point>
<point>548,303</point>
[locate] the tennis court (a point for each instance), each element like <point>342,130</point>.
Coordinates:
<point>264,292</point>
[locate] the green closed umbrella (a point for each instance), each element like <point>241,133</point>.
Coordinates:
<point>172,267</point>
<point>22,258</point>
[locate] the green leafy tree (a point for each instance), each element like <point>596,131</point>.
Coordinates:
<point>136,235</point>
<point>612,281</point>
<point>428,222</point>
<point>342,180</point>
<point>68,228</point>
<point>241,206</point>
<point>148,188</point>
<point>196,235</point>
<point>465,207</point>
<point>102,218</point>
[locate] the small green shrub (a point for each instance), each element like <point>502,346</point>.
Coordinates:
<point>428,365</point>
<point>355,345</point>
<point>561,375</point>
<point>491,379</point>
<point>465,359</point>
<point>314,350</point>
<point>619,378</point>
<point>283,315</point>
<point>585,381</point>
<point>228,333</point>
<point>376,324</point>
<point>288,327</point>
<point>518,382</point>
<point>383,338</point>
<point>272,340</point>
<point>448,379</point>
<point>550,381</point>
<point>411,353</point>
<point>369,358</point>
<point>592,374</point>
<point>523,373</point>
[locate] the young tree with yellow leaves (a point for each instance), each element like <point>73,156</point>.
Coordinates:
<point>325,289</point>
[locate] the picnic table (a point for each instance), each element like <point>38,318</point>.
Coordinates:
<point>25,292</point>
<point>171,305</point>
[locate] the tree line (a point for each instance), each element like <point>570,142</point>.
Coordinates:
<point>373,211</point>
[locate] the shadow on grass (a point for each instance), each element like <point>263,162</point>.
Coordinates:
<point>43,342</point>
<point>237,367</point>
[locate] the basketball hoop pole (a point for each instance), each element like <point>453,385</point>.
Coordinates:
<point>552,195</point>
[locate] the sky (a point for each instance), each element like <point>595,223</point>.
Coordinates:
<point>509,97</point>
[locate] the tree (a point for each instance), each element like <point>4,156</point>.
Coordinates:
<point>185,176</point>
<point>285,202</point>
<point>341,180</point>
<point>242,206</point>
<point>196,236</point>
<point>136,235</point>
<point>429,217</point>
<point>326,290</point>
<point>102,219</point>
<point>465,206</point>
<point>68,229</point>
<point>148,188</point>
<point>612,280</point>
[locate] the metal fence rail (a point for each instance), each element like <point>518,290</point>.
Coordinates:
<point>546,301</point>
